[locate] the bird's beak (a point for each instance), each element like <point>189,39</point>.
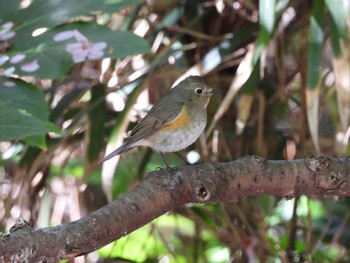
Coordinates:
<point>214,91</point>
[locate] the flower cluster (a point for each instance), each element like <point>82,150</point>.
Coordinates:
<point>82,49</point>
<point>30,66</point>
<point>5,31</point>
<point>5,35</point>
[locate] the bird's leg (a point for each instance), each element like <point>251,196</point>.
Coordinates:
<point>168,168</point>
<point>182,158</point>
<point>163,157</point>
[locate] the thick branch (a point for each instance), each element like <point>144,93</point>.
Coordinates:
<point>165,190</point>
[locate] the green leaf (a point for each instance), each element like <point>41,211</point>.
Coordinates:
<point>337,11</point>
<point>36,141</point>
<point>54,60</point>
<point>315,43</point>
<point>250,86</point>
<point>96,122</point>
<point>64,103</point>
<point>314,54</point>
<point>267,17</point>
<point>8,9</point>
<point>23,111</point>
<point>338,26</point>
<point>49,58</point>
<point>216,55</point>
<point>50,13</point>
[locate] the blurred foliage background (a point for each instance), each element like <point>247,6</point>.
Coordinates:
<point>76,75</point>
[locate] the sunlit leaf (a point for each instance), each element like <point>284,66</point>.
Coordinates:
<point>266,19</point>
<point>339,29</point>
<point>267,16</point>
<point>315,43</point>
<point>312,106</point>
<point>243,73</point>
<point>341,66</point>
<point>341,61</point>
<point>116,139</point>
<point>314,54</point>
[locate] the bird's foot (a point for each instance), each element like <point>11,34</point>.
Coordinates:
<point>172,170</point>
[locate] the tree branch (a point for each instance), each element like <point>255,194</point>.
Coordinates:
<point>164,190</point>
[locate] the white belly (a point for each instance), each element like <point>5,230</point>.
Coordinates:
<point>173,141</point>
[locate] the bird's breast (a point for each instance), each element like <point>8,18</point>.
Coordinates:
<point>180,133</point>
<point>181,121</point>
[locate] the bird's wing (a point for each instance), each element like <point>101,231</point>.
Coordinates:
<point>159,116</point>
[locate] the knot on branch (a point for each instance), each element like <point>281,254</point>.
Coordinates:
<point>257,159</point>
<point>254,159</point>
<point>254,162</point>
<point>20,225</point>
<point>325,177</point>
<point>205,188</point>
<point>202,194</point>
<point>330,181</point>
<point>317,163</point>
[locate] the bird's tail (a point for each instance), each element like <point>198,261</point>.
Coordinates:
<point>119,150</point>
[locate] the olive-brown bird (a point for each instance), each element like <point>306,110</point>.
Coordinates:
<point>175,121</point>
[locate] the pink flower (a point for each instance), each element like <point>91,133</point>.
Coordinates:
<point>9,84</point>
<point>9,71</point>
<point>5,33</point>
<point>17,58</point>
<point>30,66</point>
<point>64,35</point>
<point>3,59</point>
<point>82,49</point>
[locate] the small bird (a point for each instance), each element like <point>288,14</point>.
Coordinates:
<point>175,121</point>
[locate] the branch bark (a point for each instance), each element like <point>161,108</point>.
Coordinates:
<point>164,190</point>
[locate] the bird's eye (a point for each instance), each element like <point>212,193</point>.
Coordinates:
<point>199,91</point>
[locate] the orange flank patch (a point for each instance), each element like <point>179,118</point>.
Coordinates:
<point>181,121</point>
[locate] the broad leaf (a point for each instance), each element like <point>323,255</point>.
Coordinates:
<point>46,56</point>
<point>50,13</point>
<point>23,111</point>
<point>314,54</point>
<point>267,17</point>
<point>315,43</point>
<point>97,112</point>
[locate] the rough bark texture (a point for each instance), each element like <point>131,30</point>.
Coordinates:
<point>165,190</point>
